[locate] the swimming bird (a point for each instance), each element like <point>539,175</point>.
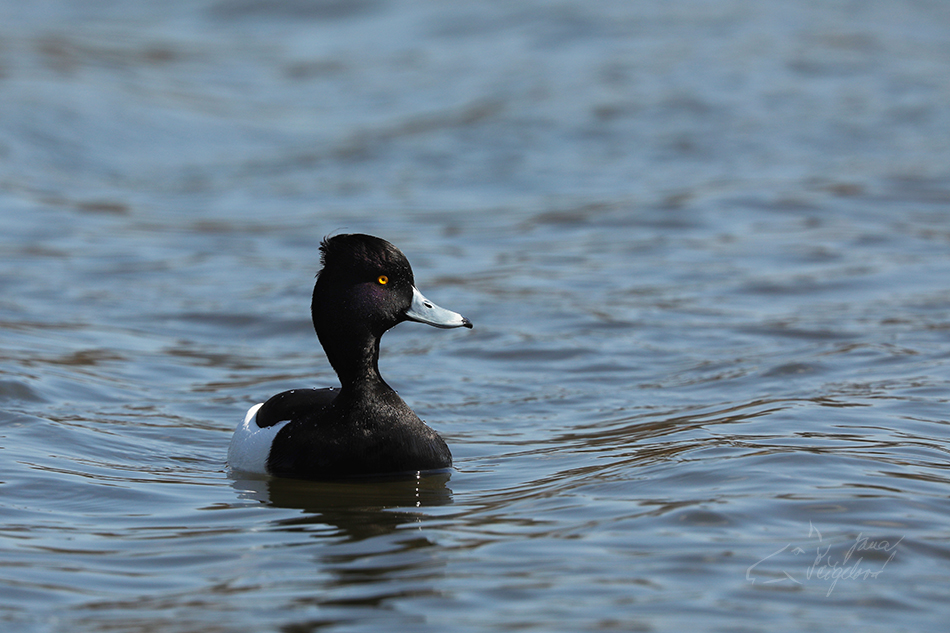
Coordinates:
<point>364,288</point>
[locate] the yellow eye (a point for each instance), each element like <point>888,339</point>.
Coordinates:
<point>383,280</point>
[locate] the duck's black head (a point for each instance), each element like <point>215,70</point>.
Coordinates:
<point>365,287</point>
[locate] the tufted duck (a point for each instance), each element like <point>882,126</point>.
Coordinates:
<point>365,287</point>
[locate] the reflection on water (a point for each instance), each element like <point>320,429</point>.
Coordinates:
<point>358,510</point>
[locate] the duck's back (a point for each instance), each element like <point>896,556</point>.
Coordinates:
<point>357,436</point>
<point>326,434</point>
<point>251,444</point>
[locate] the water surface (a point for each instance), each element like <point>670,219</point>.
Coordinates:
<point>706,248</point>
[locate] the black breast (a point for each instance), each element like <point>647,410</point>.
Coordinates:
<point>369,434</point>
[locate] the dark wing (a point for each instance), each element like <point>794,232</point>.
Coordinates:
<point>292,404</point>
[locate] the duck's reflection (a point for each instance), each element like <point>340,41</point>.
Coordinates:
<point>359,509</point>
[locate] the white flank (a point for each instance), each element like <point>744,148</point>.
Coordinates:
<point>250,445</point>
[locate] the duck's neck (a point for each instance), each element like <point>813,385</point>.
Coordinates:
<point>355,360</point>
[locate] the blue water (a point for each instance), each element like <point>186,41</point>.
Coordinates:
<point>706,249</point>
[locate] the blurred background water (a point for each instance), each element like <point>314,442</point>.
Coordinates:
<point>704,246</point>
